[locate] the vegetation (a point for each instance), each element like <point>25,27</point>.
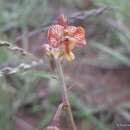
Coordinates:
<point>97,80</point>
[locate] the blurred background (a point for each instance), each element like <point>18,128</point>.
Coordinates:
<point>99,77</point>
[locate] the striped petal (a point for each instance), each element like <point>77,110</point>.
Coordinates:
<point>55,33</point>
<point>76,32</point>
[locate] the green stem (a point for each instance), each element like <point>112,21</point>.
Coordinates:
<point>65,94</point>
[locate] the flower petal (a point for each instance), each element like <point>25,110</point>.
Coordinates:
<point>79,34</point>
<point>55,33</point>
<point>76,32</point>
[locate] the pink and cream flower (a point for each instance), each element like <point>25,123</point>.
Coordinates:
<point>63,38</point>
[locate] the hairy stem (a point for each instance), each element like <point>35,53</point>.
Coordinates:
<point>64,94</point>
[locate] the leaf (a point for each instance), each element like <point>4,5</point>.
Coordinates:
<point>42,74</point>
<point>3,55</point>
<point>83,108</point>
<point>124,113</point>
<point>116,55</point>
<point>5,107</point>
<point>44,121</point>
<point>125,105</point>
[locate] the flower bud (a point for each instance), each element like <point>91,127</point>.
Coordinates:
<point>63,20</point>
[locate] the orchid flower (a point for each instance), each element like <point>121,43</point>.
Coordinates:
<point>63,38</point>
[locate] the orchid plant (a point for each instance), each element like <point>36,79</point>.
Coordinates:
<point>62,39</point>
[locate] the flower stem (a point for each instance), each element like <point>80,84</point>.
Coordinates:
<point>64,94</point>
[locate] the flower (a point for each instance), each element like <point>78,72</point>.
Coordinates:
<point>63,38</point>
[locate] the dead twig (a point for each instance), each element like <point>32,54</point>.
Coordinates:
<point>86,14</point>
<point>77,15</point>
<point>21,67</point>
<point>16,49</point>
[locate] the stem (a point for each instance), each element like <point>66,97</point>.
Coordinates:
<point>56,117</point>
<point>64,94</point>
